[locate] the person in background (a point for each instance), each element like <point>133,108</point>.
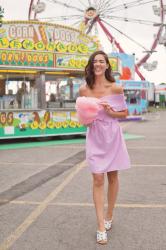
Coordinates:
<point>52,98</point>
<point>106,151</point>
<point>2,88</point>
<point>21,91</point>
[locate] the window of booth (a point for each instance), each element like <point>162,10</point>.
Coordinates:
<point>17,94</point>
<point>62,92</point>
<point>132,96</point>
<point>39,92</point>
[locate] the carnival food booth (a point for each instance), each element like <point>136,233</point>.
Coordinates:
<point>41,69</point>
<point>136,94</point>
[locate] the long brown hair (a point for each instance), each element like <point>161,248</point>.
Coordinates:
<point>89,69</point>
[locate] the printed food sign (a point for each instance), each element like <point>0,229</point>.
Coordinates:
<point>38,123</point>
<point>43,45</point>
<point>26,58</point>
<point>45,37</point>
<point>35,44</point>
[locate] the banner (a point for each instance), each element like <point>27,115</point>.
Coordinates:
<point>40,36</point>
<point>26,58</point>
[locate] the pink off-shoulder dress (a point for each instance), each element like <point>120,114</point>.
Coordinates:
<point>105,146</point>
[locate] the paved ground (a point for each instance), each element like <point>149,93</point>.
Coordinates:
<point>46,199</point>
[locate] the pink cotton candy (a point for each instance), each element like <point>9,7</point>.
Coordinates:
<point>87,109</point>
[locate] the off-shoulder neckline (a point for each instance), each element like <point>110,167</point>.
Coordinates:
<point>109,95</point>
<point>122,94</point>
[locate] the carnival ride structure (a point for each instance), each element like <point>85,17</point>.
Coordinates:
<point>132,27</point>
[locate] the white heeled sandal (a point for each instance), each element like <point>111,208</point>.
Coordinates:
<point>108,224</point>
<point>102,237</point>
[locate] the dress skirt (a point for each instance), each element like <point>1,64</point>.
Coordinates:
<point>105,145</point>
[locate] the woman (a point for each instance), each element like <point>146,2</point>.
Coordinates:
<point>105,147</point>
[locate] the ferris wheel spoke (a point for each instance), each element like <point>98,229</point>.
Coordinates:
<point>61,18</point>
<point>129,5</point>
<point>105,6</point>
<point>109,3</point>
<point>95,3</point>
<point>83,4</point>
<point>111,13</point>
<point>125,35</point>
<point>98,4</point>
<point>154,45</point>
<point>132,20</point>
<point>66,5</point>
<point>104,9</point>
<point>113,40</point>
<point>101,4</point>
<point>89,2</point>
<point>77,23</point>
<point>72,24</point>
<point>30,9</point>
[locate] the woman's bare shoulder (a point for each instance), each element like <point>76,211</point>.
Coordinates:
<point>83,90</point>
<point>116,89</point>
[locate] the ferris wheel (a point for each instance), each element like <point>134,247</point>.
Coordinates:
<point>130,26</point>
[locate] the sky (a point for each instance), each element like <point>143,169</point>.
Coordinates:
<point>18,10</point>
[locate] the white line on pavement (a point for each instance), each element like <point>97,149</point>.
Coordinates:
<point>144,147</point>
<point>148,165</point>
<point>9,241</point>
<point>86,204</point>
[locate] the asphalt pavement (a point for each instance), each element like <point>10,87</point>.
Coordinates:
<point>46,195</point>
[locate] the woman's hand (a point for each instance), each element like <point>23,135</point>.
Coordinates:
<point>107,108</point>
<point>112,113</point>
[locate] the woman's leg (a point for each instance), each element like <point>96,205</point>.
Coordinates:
<point>113,187</point>
<point>98,197</point>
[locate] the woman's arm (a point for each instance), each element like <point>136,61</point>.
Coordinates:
<point>110,111</point>
<point>118,114</point>
<point>83,90</point>
<point>114,114</point>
